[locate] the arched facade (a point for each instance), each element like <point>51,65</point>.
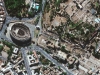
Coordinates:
<point>20,34</point>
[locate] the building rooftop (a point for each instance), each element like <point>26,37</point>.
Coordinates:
<point>15,50</point>
<point>61,55</point>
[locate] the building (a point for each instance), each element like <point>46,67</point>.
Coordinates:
<point>6,69</point>
<point>2,14</point>
<point>20,34</point>
<point>34,6</point>
<point>15,50</point>
<point>61,55</point>
<point>33,59</point>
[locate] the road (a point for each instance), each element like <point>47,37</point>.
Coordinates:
<point>3,36</point>
<point>24,55</point>
<point>36,48</point>
<point>40,20</point>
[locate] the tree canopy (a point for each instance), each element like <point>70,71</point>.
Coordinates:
<point>14,6</point>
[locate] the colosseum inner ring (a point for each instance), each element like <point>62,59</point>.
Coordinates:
<point>20,33</point>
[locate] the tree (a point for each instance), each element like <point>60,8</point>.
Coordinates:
<point>97,5</point>
<point>14,6</point>
<point>31,14</point>
<point>1,48</point>
<point>37,71</point>
<point>31,53</point>
<point>7,44</point>
<point>57,3</point>
<point>64,50</point>
<point>18,15</point>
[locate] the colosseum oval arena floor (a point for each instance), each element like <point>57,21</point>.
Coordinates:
<point>20,31</point>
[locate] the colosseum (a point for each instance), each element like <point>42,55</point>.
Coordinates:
<point>20,34</point>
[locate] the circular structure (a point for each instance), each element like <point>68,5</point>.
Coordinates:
<point>20,34</point>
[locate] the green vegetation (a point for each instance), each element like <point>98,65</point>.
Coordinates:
<point>14,7</point>
<point>75,32</point>
<point>10,45</point>
<point>30,53</point>
<point>96,54</point>
<point>47,8</point>
<point>19,8</point>
<point>57,4</point>
<point>9,52</point>
<point>44,68</point>
<point>22,66</point>
<point>48,51</point>
<point>97,4</point>
<point>44,61</point>
<point>7,44</point>
<point>37,71</point>
<point>64,50</point>
<point>37,20</point>
<point>1,48</point>
<point>64,0</point>
<point>31,14</point>
<point>70,66</point>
